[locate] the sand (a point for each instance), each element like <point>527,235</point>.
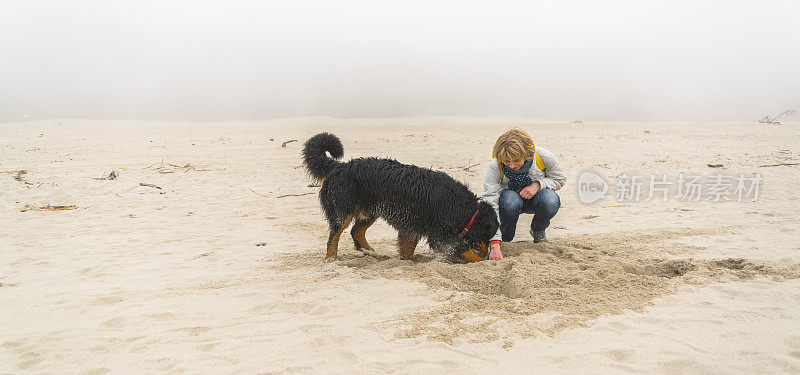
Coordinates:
<point>205,255</point>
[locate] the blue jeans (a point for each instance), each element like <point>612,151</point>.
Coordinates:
<point>543,206</point>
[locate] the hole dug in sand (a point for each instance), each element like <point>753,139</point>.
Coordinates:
<point>544,288</point>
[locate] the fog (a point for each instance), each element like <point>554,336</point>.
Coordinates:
<point>256,60</point>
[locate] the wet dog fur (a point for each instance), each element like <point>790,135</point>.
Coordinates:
<point>417,202</point>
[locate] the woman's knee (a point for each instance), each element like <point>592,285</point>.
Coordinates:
<point>510,201</point>
<point>550,201</point>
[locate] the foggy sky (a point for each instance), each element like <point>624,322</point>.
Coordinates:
<point>255,60</point>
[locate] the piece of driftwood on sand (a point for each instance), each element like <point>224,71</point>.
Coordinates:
<point>294,195</point>
<point>165,168</point>
<point>48,208</point>
<point>150,185</point>
<point>777,165</point>
<point>774,120</point>
<point>19,175</point>
<point>111,176</point>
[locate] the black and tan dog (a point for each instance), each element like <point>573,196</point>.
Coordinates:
<point>418,202</point>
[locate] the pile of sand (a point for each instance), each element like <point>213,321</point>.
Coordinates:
<point>544,288</point>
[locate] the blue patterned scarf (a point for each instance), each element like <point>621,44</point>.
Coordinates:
<point>519,179</point>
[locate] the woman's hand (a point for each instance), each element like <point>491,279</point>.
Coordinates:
<point>494,252</point>
<point>529,191</point>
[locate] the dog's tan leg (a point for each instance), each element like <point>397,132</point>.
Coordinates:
<point>406,246</point>
<point>333,239</point>
<point>359,232</point>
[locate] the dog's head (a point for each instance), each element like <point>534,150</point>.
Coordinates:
<point>480,233</point>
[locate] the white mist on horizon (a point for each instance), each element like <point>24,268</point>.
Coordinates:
<point>252,60</point>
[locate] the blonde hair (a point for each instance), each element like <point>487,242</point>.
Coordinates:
<point>514,144</point>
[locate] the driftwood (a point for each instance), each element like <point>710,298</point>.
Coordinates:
<point>287,142</point>
<point>257,193</point>
<point>466,169</point>
<point>111,176</point>
<point>47,208</point>
<point>774,120</point>
<point>715,165</point>
<point>281,196</point>
<point>777,165</point>
<point>149,185</point>
<point>294,195</point>
<point>19,176</point>
<point>165,168</point>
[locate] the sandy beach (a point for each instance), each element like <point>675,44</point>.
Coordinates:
<point>205,254</point>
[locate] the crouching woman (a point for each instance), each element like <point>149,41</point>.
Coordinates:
<point>522,178</point>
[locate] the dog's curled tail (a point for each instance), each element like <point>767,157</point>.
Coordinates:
<point>317,162</point>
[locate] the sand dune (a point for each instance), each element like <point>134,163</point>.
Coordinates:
<point>205,255</point>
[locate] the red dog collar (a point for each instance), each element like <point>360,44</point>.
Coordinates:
<point>469,225</point>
